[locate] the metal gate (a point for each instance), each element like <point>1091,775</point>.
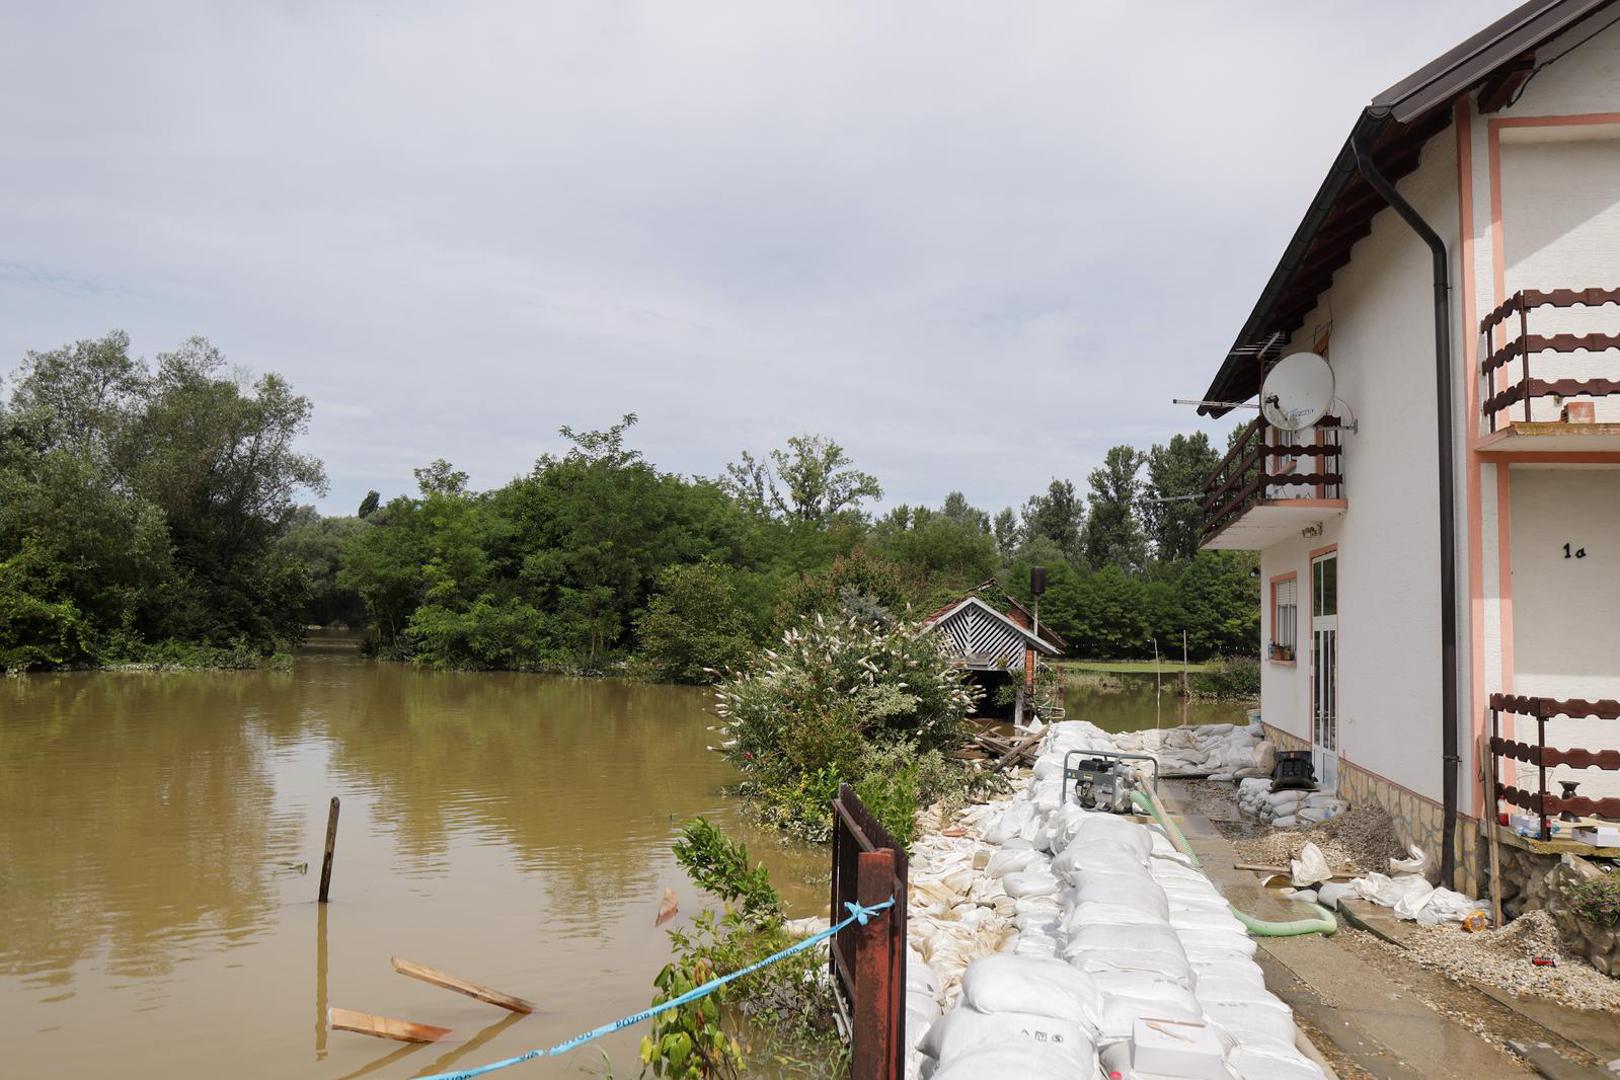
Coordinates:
<point>869,962</point>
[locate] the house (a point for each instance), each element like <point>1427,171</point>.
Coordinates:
<point>998,648</point>
<point>1440,554</point>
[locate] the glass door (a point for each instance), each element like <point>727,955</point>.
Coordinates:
<point>1325,669</point>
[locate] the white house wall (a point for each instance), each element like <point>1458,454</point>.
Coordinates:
<point>1378,317</point>
<point>1556,180</point>
<point>1566,630</point>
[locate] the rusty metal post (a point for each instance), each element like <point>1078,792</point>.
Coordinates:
<point>872,1043</point>
<point>331,845</point>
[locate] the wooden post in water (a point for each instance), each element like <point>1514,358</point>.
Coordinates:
<point>331,843</point>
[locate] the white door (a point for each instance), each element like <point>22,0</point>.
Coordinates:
<point>1325,669</point>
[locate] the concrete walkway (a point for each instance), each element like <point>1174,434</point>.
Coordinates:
<point>1370,1013</point>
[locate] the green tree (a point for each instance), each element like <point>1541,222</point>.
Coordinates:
<point>219,460</point>
<point>1058,516</point>
<point>697,626</point>
<point>812,481</point>
<point>1112,535</point>
<point>1171,511</point>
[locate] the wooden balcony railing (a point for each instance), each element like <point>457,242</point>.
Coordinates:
<point>1527,387</point>
<point>1539,802</point>
<point>1260,467</point>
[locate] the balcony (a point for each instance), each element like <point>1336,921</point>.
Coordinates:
<point>1554,816</point>
<point>1543,393</point>
<point>1272,484</point>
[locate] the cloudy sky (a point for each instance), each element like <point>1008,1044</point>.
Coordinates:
<point>977,243</point>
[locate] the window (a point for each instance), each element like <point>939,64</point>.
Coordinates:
<point>1325,583</point>
<point>1284,616</point>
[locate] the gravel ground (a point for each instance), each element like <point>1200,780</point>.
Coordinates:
<point>1501,958</point>
<point>1359,840</point>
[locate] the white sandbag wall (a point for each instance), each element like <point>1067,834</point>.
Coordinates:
<point>1049,931</point>
<point>1218,751</point>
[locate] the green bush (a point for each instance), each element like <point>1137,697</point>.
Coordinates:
<point>790,1003</point>
<point>1237,677</point>
<point>720,866</point>
<point>811,714</point>
<point>696,627</point>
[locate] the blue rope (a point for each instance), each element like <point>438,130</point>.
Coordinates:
<point>857,914</point>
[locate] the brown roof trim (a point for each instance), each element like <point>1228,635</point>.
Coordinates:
<point>1437,83</point>
<point>1396,125</point>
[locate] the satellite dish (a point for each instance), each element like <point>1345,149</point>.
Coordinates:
<point>1297,391</point>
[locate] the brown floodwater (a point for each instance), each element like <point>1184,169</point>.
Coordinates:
<point>158,919</point>
<point>1133,701</point>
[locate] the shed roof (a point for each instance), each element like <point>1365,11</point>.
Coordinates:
<point>970,602</point>
<point>1395,126</point>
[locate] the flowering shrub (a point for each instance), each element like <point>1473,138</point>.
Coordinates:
<point>844,702</point>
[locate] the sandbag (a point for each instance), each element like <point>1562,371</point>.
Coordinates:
<point>1206,919</point>
<point>1310,868</point>
<point>1010,1062</point>
<point>962,1030</point>
<point>1136,891</point>
<point>1105,859</point>
<point>1248,1022</point>
<point>1093,914</point>
<point>1171,967</point>
<point>1121,1011</point>
<point>1413,865</point>
<point>1329,893</point>
<point>1011,823</point>
<point>1109,829</point>
<point>1009,860</point>
<point>1034,882</point>
<point>1022,984</point>
<point>1258,1064</point>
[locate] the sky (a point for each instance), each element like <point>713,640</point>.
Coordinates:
<point>975,243</point>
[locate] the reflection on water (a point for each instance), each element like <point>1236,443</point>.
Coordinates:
<point>156,918</point>
<point>160,841</point>
<point>1130,702</point>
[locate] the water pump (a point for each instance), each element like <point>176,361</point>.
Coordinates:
<point>1102,779</point>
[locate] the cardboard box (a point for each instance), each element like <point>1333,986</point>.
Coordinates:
<point>1187,1049</point>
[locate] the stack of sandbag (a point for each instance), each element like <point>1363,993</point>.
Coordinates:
<point>1019,1016</point>
<point>1286,809</point>
<point>1096,923</point>
<point>1219,751</point>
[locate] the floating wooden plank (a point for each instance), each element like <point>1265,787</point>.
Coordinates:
<point>383,1027</point>
<point>462,986</point>
<point>668,908</point>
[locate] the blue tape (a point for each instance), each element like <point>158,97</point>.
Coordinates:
<point>858,914</point>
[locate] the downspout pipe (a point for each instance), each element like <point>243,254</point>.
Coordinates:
<point>1450,757</point>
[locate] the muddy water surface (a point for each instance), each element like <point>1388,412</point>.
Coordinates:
<point>157,918</point>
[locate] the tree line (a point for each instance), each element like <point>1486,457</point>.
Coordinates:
<point>148,511</point>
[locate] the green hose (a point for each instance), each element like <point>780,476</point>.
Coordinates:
<point>1324,923</point>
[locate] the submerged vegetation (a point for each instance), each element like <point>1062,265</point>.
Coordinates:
<point>147,509</point>
<point>788,1005</point>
